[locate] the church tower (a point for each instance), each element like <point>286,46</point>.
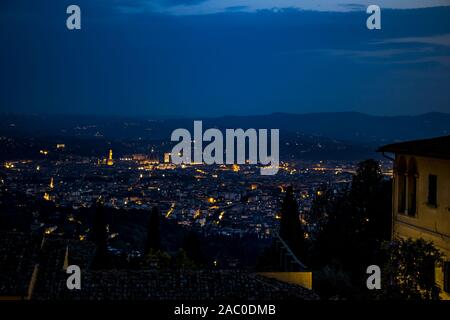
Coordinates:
<point>110,161</point>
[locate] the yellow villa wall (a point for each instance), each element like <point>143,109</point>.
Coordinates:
<point>303,279</point>
<point>429,223</point>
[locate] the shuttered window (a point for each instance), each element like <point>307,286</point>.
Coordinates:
<point>432,190</point>
<point>447,276</point>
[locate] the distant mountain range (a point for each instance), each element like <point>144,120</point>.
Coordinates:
<point>348,126</point>
<point>344,135</point>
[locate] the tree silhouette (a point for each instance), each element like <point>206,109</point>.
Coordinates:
<point>357,221</point>
<point>182,261</point>
<point>370,196</point>
<point>191,245</point>
<point>409,270</point>
<point>100,236</point>
<point>153,243</point>
<point>291,229</point>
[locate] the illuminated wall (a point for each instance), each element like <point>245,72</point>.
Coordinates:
<point>428,221</point>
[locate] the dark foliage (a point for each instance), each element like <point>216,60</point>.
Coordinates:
<point>409,270</point>
<point>349,229</point>
<point>291,229</point>
<point>192,248</point>
<point>100,237</point>
<point>153,242</point>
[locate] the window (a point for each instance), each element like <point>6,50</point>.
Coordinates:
<point>412,187</point>
<point>431,272</point>
<point>447,276</point>
<point>402,193</point>
<point>401,178</point>
<point>432,190</point>
<point>412,195</point>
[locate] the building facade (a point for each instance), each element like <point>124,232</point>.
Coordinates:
<point>421,197</point>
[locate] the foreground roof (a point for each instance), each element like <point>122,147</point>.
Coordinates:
<point>18,257</point>
<point>435,147</point>
<point>17,260</point>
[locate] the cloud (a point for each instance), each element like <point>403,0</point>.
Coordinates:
<point>431,49</point>
<point>142,6</point>
<point>437,40</point>
<point>406,50</point>
<point>217,6</point>
<point>182,2</point>
<point>378,54</point>
<point>236,8</point>
<point>354,6</point>
<point>441,60</point>
<point>196,7</point>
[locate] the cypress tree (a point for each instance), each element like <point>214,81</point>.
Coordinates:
<point>153,243</point>
<point>291,229</point>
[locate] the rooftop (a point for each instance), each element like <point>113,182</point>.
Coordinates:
<point>19,254</point>
<point>435,147</point>
<point>17,260</point>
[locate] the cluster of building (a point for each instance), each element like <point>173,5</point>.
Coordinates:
<point>230,200</point>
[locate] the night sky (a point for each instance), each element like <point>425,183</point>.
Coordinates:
<point>224,57</point>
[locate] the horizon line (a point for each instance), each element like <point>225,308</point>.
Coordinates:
<point>173,116</point>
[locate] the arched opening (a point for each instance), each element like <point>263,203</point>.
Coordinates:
<point>412,187</point>
<point>400,171</point>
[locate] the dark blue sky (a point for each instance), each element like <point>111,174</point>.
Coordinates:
<point>216,57</point>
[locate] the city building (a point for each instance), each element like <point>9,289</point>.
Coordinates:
<point>110,161</point>
<point>167,157</point>
<point>421,196</point>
